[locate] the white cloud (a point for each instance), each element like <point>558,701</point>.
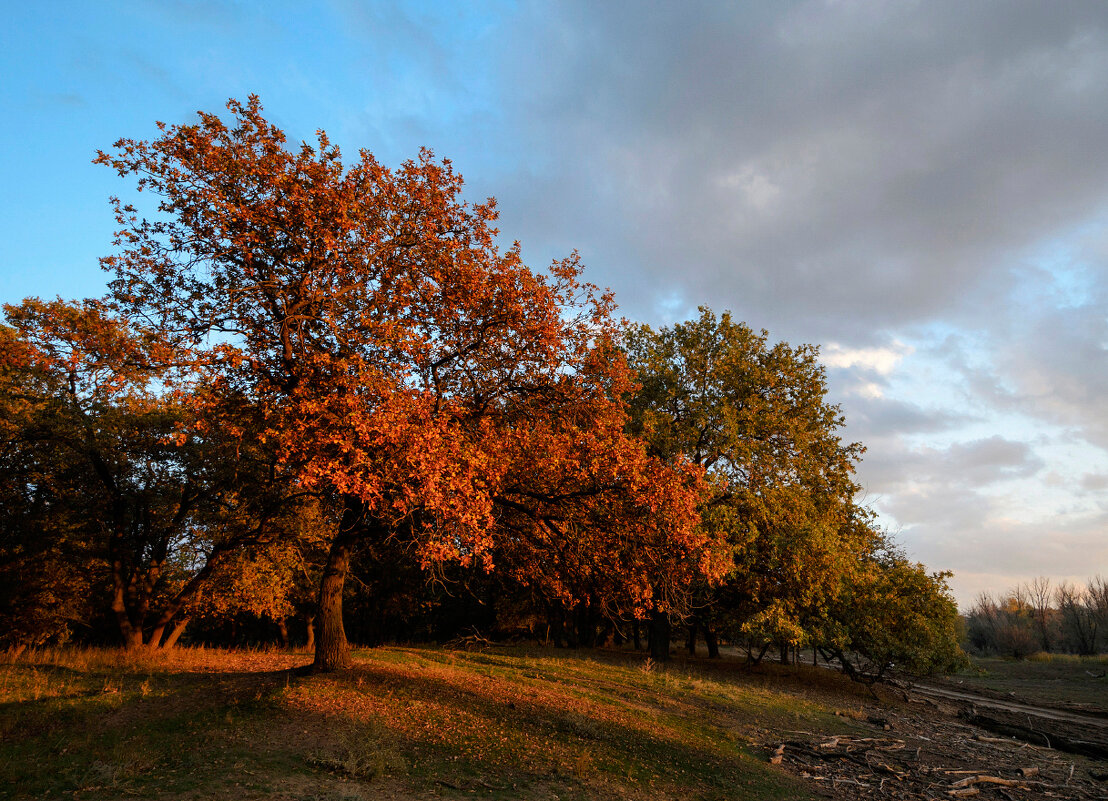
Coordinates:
<point>757,190</point>
<point>880,360</point>
<point>868,389</point>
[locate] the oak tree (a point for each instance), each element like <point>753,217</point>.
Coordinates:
<point>891,615</point>
<point>155,498</point>
<point>755,417</point>
<point>431,384</point>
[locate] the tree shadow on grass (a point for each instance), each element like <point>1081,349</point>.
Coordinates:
<point>479,731</point>
<point>397,728</point>
<point>130,735</point>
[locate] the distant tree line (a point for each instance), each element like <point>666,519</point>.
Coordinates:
<point>1041,616</point>
<point>319,404</point>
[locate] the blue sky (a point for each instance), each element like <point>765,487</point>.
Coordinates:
<point>920,188</point>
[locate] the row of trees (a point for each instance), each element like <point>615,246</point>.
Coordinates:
<point>303,366</point>
<point>1040,616</point>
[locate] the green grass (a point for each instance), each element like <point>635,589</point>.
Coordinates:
<point>405,723</point>
<point>1048,679</point>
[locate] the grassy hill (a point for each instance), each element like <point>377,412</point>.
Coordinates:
<point>405,723</point>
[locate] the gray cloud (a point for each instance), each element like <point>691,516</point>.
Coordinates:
<point>862,173</point>
<point>1059,368</point>
<point>825,170</point>
<point>1094,482</point>
<point>895,467</point>
<point>989,460</point>
<point>1040,349</point>
<point>873,418</point>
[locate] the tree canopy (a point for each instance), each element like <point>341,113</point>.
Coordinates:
<point>435,385</point>
<point>153,495</point>
<point>754,415</point>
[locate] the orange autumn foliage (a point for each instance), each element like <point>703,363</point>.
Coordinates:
<point>400,360</point>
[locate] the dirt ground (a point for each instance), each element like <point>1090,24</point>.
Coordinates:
<point>924,746</point>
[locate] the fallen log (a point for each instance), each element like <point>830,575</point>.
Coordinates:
<point>1052,740</point>
<point>982,779</point>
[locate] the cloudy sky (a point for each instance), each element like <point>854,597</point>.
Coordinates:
<point>920,188</point>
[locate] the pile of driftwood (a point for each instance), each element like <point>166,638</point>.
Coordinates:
<point>911,757</point>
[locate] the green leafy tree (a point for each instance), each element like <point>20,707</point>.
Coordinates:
<point>754,416</point>
<point>892,615</point>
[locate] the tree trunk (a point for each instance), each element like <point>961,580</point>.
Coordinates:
<point>584,626</point>
<point>132,638</point>
<point>659,636</point>
<point>636,634</point>
<point>332,652</point>
<point>556,620</point>
<point>178,630</point>
<point>282,632</point>
<point>691,643</point>
<point>756,660</point>
<point>712,642</point>
<point>310,619</point>
<point>132,634</point>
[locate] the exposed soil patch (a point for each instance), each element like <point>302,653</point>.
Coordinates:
<point>933,747</point>
<point>1062,729</point>
<point>996,701</point>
